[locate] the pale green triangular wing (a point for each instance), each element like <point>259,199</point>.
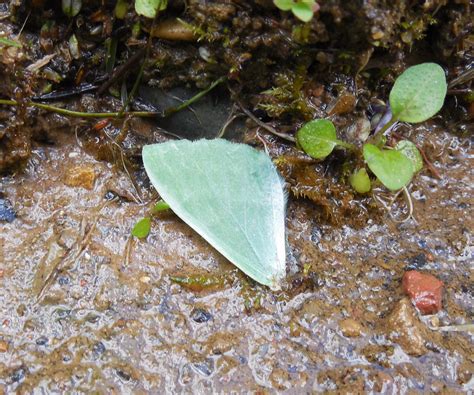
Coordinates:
<point>229,193</point>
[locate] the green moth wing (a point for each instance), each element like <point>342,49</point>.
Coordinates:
<point>229,193</point>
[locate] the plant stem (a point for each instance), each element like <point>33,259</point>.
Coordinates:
<point>377,138</point>
<point>80,114</point>
<point>195,98</point>
<point>345,145</point>
<point>120,114</point>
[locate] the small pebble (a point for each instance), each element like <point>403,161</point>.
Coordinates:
<point>81,176</point>
<point>41,341</point>
<point>416,262</point>
<point>7,213</point>
<point>3,346</point>
<point>109,195</point>
<point>424,290</point>
<point>200,315</point>
<point>404,328</point>
<point>18,375</point>
<point>350,327</point>
<point>173,30</point>
<point>123,375</point>
<point>205,368</point>
<point>98,348</point>
<point>63,280</point>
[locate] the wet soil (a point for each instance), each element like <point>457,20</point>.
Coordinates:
<point>86,308</point>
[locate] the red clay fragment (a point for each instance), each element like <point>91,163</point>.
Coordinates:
<point>424,290</point>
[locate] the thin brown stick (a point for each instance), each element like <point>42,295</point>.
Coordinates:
<point>121,70</point>
<point>264,125</point>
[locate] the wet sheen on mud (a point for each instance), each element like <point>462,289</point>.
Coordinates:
<point>86,308</point>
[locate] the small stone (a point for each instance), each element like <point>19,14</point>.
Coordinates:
<point>173,30</point>
<point>123,375</point>
<point>18,375</point>
<point>200,315</point>
<point>417,262</point>
<point>350,327</point>
<point>63,280</point>
<point>3,346</point>
<point>145,279</point>
<point>377,35</point>
<point>80,176</point>
<point>98,348</point>
<point>42,341</point>
<point>424,290</point>
<point>404,328</point>
<point>7,213</point>
<point>205,368</point>
<point>343,104</point>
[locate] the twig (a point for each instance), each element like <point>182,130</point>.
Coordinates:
<point>121,70</point>
<point>80,114</point>
<point>264,125</point>
<point>193,99</point>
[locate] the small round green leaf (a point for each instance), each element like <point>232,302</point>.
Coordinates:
<point>142,228</point>
<point>160,206</point>
<point>392,168</point>
<point>71,7</point>
<point>149,8</point>
<point>360,181</point>
<point>303,11</point>
<point>284,5</point>
<point>409,149</point>
<point>418,93</point>
<point>121,8</point>
<point>317,138</point>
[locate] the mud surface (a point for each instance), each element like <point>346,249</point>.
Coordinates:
<point>85,308</point>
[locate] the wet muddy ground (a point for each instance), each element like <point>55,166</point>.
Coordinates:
<point>85,308</point>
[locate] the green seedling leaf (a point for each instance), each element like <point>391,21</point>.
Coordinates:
<point>160,206</point>
<point>71,7</point>
<point>231,194</point>
<point>418,93</point>
<point>10,43</point>
<point>392,168</point>
<point>284,5</point>
<point>303,11</point>
<point>360,181</point>
<point>142,228</point>
<point>317,138</point>
<point>149,8</point>
<point>121,8</point>
<point>409,149</point>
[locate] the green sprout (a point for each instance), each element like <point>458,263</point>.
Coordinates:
<point>9,43</point>
<point>149,8</point>
<point>142,228</point>
<point>71,7</point>
<point>302,9</point>
<point>360,181</point>
<point>416,96</point>
<point>318,138</point>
